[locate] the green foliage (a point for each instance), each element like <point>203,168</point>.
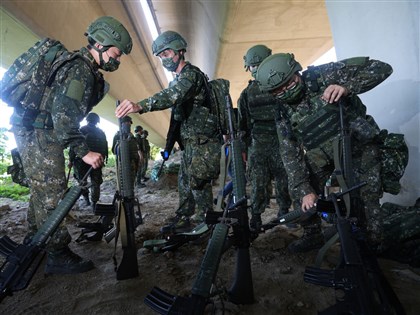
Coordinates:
<point>4,154</point>
<point>154,151</point>
<point>8,189</point>
<point>111,159</point>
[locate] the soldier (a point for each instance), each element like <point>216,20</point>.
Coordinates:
<point>138,134</point>
<point>96,141</point>
<point>133,145</point>
<point>186,95</point>
<point>146,156</point>
<point>256,122</point>
<point>309,120</point>
<point>77,87</point>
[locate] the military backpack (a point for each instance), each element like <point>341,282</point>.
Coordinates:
<point>394,160</point>
<point>24,83</point>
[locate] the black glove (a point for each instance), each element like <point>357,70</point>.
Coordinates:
<point>165,155</point>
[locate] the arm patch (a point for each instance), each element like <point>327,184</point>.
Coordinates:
<point>75,90</point>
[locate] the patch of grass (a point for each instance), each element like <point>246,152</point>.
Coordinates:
<point>8,189</point>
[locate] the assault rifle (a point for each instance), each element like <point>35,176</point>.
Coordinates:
<point>358,275</point>
<point>23,260</point>
<point>241,291</point>
<point>361,287</point>
<point>126,221</point>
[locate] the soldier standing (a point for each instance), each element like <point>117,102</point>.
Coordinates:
<point>77,86</point>
<point>96,141</point>
<point>138,134</point>
<point>146,155</point>
<point>309,121</point>
<point>186,95</point>
<point>256,121</point>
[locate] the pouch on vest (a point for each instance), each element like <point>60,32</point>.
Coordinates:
<point>394,160</point>
<point>16,170</point>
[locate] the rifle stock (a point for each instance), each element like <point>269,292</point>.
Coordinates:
<point>23,260</point>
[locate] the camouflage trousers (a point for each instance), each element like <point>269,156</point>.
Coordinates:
<point>200,164</point>
<point>80,169</point>
<point>265,164</point>
<point>43,163</point>
<point>367,168</point>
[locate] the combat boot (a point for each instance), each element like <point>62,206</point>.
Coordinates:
<point>311,239</point>
<point>64,261</point>
<point>179,225</point>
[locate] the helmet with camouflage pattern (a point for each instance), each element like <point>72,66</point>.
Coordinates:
<point>138,128</point>
<point>108,31</point>
<point>255,55</point>
<point>126,119</point>
<point>92,118</point>
<point>276,71</point>
<point>168,40</point>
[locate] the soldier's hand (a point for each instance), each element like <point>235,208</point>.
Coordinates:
<point>309,201</point>
<point>94,159</point>
<point>127,107</point>
<point>334,92</point>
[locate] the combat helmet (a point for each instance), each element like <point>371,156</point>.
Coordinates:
<point>108,32</point>
<point>255,55</point>
<point>92,118</point>
<point>138,128</point>
<point>168,40</point>
<point>276,70</point>
<point>126,119</point>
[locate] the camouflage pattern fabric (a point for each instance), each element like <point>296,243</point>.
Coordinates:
<point>146,157</point>
<point>358,75</point>
<point>42,149</point>
<point>256,121</point>
<point>200,158</point>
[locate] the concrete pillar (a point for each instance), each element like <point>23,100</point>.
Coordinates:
<point>387,31</point>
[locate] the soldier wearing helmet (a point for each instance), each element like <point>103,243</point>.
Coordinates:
<point>78,86</point>
<point>256,122</point>
<point>186,95</point>
<point>97,142</point>
<point>309,121</point>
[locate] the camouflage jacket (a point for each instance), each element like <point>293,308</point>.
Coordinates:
<point>73,93</point>
<point>358,75</point>
<point>184,93</point>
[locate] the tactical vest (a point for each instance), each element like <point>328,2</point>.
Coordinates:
<point>318,121</point>
<point>262,109</point>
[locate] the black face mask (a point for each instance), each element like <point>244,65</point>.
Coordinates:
<point>111,65</point>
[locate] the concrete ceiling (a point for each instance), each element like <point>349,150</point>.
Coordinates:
<point>218,34</point>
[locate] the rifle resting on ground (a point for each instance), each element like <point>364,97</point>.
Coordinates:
<point>236,217</point>
<point>23,260</point>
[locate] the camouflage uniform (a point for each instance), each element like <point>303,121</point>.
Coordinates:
<point>146,155</point>
<point>96,141</point>
<point>201,156</point>
<point>312,125</point>
<point>41,148</point>
<point>140,146</point>
<point>256,119</point>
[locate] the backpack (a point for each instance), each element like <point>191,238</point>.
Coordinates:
<point>96,141</point>
<point>24,83</point>
<point>217,91</point>
<point>394,160</point>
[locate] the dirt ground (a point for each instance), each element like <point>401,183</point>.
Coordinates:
<point>277,275</point>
